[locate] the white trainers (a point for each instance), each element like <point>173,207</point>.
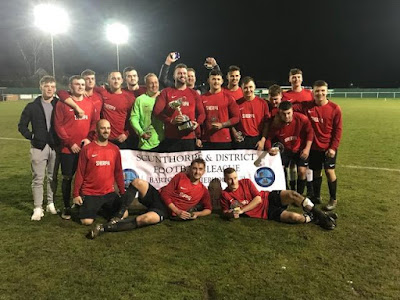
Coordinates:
<point>51,209</point>
<point>37,214</point>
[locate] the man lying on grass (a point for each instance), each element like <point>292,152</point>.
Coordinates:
<point>183,198</point>
<point>241,197</point>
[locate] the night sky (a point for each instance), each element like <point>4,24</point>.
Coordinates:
<point>341,42</point>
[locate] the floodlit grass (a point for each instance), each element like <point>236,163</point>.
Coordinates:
<point>210,258</point>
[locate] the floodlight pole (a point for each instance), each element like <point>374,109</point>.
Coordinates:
<point>52,54</point>
<point>117,57</point>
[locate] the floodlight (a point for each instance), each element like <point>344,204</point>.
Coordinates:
<point>51,18</point>
<point>117,33</point>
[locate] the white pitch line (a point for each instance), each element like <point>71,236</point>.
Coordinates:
<point>13,139</point>
<point>370,168</point>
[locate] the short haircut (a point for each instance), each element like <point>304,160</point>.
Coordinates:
<point>198,161</point>
<point>215,73</point>
<point>75,77</point>
<point>46,79</point>
<point>114,71</point>
<point>191,70</point>
<point>233,68</point>
<point>320,83</point>
<point>88,72</point>
<point>178,66</point>
<point>295,71</point>
<point>285,105</point>
<point>148,75</point>
<point>274,90</point>
<point>100,121</point>
<point>128,69</point>
<point>248,79</point>
<point>229,171</point>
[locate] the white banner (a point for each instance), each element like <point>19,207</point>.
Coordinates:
<point>158,168</point>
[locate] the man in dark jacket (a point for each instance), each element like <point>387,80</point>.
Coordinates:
<point>44,141</point>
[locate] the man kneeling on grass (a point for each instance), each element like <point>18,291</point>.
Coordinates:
<point>241,197</point>
<point>183,198</point>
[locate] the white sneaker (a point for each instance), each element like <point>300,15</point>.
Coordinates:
<point>51,209</point>
<point>37,214</point>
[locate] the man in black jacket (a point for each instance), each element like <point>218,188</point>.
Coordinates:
<point>44,141</point>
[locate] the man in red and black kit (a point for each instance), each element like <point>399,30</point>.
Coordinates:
<point>222,112</point>
<point>191,106</point>
<point>183,198</point>
<point>74,132</point>
<point>99,166</point>
<point>254,114</point>
<point>274,99</point>
<point>294,132</point>
<point>132,82</point>
<point>241,197</point>
<point>326,120</point>
<point>233,88</point>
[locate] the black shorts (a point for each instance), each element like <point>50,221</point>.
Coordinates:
<point>318,160</point>
<point>216,146</point>
<point>69,162</point>
<point>288,156</point>
<point>152,200</point>
<point>275,206</point>
<point>248,143</point>
<point>108,205</point>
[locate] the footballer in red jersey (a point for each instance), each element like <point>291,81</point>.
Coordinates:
<point>297,93</point>
<point>233,88</point>
<point>222,112</point>
<point>181,110</point>
<point>241,197</point>
<point>183,198</point>
<point>132,82</point>
<point>294,132</point>
<point>99,167</point>
<point>74,132</point>
<point>326,120</point>
<point>249,133</point>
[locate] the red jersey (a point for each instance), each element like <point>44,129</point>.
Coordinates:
<point>326,120</point>
<point>95,98</point>
<point>71,129</point>
<point>235,94</point>
<point>297,97</point>
<point>184,194</point>
<point>192,107</point>
<point>116,109</point>
<point>140,91</point>
<point>98,168</point>
<point>293,135</point>
<point>273,111</point>
<point>219,107</point>
<point>253,115</point>
<point>243,196</point>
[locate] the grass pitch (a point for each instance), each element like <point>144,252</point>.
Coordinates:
<point>210,258</point>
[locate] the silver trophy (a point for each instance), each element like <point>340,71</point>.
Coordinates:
<point>187,123</point>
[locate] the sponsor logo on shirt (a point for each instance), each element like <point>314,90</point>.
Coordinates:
<point>248,116</point>
<point>290,138</point>
<point>84,117</point>
<point>185,103</point>
<point>212,107</point>
<point>100,163</point>
<point>317,120</point>
<point>109,106</point>
<point>183,195</point>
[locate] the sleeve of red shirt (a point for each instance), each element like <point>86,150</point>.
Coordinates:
<point>63,95</point>
<point>224,201</point>
<point>336,134</point>
<point>80,172</point>
<point>101,91</point>
<point>267,115</point>
<point>308,128</point>
<point>118,173</point>
<point>233,110</point>
<point>253,190</point>
<point>206,200</point>
<point>168,191</point>
<point>130,102</point>
<point>200,113</point>
<point>59,124</point>
<point>93,123</point>
<point>159,110</point>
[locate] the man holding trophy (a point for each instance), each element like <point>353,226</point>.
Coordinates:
<point>182,111</point>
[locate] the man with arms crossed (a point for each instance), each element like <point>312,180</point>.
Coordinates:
<point>74,132</point>
<point>99,166</point>
<point>294,132</point>
<point>44,142</point>
<point>326,120</point>
<point>241,197</point>
<point>183,198</point>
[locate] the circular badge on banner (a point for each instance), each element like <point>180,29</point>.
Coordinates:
<point>264,177</point>
<point>129,175</point>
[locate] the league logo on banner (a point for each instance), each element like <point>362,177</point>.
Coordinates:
<point>158,168</point>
